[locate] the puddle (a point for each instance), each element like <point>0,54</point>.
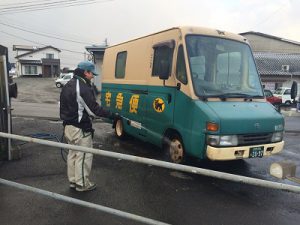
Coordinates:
<point>180,175</point>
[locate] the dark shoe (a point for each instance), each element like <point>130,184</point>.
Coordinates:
<point>89,187</point>
<point>72,185</point>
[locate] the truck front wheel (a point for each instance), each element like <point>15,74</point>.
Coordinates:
<point>175,149</point>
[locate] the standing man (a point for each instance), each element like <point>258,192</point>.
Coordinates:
<point>77,108</point>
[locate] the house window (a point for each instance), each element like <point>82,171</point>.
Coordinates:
<point>49,56</point>
<point>121,65</point>
<point>30,70</point>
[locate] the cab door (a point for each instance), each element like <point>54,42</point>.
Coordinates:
<point>5,117</point>
<point>161,94</point>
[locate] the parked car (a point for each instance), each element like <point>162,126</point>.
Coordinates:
<point>285,94</point>
<point>62,75</point>
<point>272,99</point>
<point>62,81</point>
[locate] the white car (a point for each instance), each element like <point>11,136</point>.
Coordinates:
<point>285,94</point>
<point>62,81</point>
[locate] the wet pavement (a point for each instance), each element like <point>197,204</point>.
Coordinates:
<point>160,194</point>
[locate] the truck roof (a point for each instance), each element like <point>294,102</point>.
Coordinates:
<point>185,30</point>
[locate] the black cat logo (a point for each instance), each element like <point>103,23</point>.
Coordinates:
<point>159,105</point>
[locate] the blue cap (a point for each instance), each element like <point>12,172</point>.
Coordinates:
<point>88,66</point>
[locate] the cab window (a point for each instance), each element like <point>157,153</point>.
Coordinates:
<point>228,68</point>
<point>180,67</point>
<point>162,61</point>
<point>120,65</point>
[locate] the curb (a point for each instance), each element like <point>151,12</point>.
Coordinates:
<point>290,113</point>
<point>56,119</point>
<point>292,131</point>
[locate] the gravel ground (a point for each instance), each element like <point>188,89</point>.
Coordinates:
<point>37,90</point>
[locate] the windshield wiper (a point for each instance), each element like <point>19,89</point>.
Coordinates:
<point>234,95</point>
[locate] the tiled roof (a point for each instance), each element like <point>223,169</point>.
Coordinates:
<point>37,50</point>
<point>275,63</point>
<point>271,36</point>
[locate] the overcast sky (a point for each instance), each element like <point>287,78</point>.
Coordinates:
<point>122,20</point>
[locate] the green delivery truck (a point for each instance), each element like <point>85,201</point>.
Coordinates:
<point>192,91</point>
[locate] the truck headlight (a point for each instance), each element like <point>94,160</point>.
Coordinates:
<point>222,140</point>
<point>277,137</point>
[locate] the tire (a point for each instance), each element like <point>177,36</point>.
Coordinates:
<point>288,102</point>
<point>59,85</point>
<point>175,149</point>
<point>277,106</point>
<point>119,129</point>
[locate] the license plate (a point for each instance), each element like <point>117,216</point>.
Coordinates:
<point>256,152</point>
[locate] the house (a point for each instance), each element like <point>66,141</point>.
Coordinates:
<point>278,69</point>
<point>97,53</point>
<point>277,59</point>
<point>36,61</point>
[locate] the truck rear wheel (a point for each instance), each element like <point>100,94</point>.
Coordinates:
<point>175,149</point>
<point>119,129</point>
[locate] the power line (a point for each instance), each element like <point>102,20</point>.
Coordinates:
<point>13,35</point>
<point>21,38</point>
<point>38,4</point>
<point>51,5</point>
<point>270,15</point>
<point>23,25</point>
<point>44,35</point>
<point>43,6</point>
<point>20,3</point>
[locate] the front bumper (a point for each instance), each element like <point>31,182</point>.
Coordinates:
<point>231,153</point>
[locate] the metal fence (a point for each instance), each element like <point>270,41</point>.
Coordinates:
<point>178,167</point>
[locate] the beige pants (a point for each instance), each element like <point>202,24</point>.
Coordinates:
<point>79,163</point>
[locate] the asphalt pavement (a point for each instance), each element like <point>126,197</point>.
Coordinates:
<point>164,195</point>
<point>160,194</point>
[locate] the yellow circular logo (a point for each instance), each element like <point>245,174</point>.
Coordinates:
<point>159,105</point>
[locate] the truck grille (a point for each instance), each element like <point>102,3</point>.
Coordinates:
<point>253,139</point>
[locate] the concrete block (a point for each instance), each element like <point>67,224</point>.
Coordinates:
<point>283,169</point>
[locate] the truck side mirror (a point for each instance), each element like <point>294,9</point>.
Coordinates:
<point>294,90</point>
<point>164,70</point>
<point>163,52</point>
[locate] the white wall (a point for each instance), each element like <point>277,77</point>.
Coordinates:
<point>39,70</point>
<point>265,44</point>
<point>41,54</point>
<point>289,83</point>
<point>98,65</point>
<point>20,70</point>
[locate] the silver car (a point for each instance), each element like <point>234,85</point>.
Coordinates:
<point>62,81</point>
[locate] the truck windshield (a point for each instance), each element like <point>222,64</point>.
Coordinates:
<point>222,68</point>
